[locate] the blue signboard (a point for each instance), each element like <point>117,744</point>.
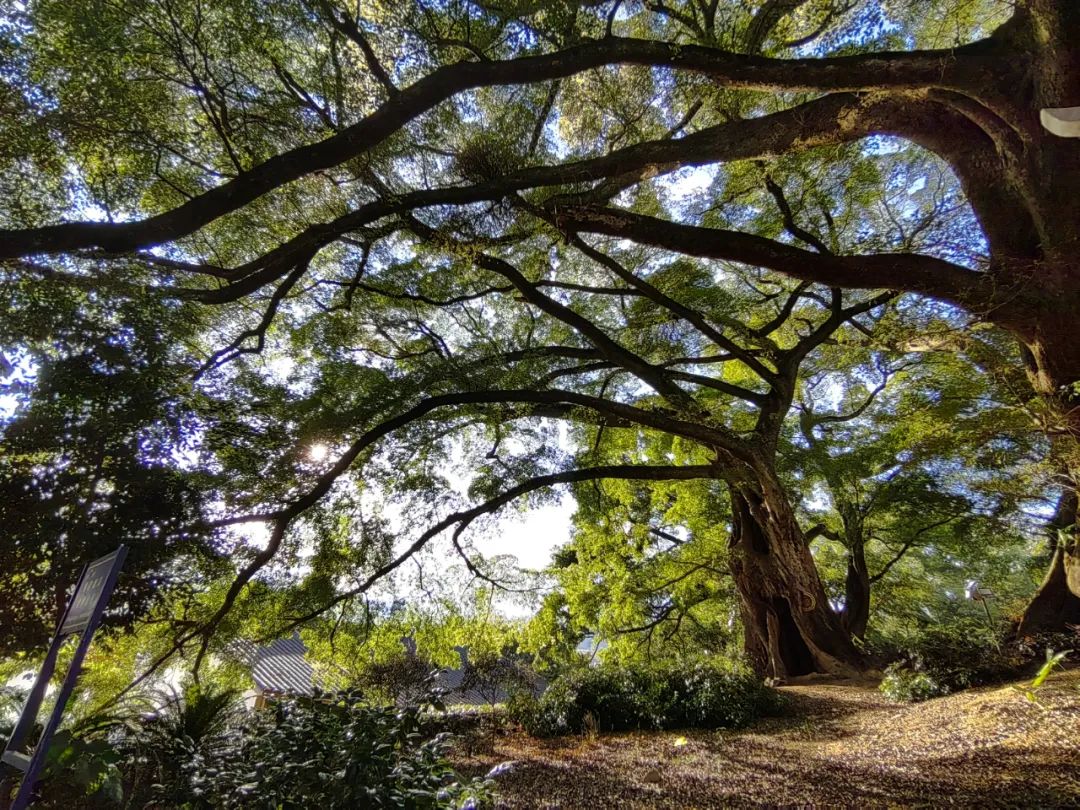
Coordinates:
<point>82,614</point>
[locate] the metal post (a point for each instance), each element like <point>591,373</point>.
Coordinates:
<point>41,750</point>
<point>33,765</point>
<point>37,692</point>
<point>29,714</point>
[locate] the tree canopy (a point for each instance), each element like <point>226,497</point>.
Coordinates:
<point>782,292</point>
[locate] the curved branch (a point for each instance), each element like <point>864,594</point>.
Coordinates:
<point>239,346</point>
<point>282,518</point>
<point>767,18</point>
<point>347,26</point>
<point>907,272</point>
<point>465,517</point>
<point>833,119</point>
<point>946,69</point>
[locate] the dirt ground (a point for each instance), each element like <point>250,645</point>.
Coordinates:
<point>840,745</point>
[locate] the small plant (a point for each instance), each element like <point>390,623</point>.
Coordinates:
<point>1053,661</point>
<point>590,727</point>
<point>186,727</point>
<point>906,685</point>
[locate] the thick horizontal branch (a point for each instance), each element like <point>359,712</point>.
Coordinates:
<point>945,69</point>
<point>906,272</point>
<point>833,119</point>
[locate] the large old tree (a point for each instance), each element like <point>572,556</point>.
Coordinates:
<point>459,218</point>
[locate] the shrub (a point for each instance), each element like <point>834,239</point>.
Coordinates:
<point>188,727</point>
<point>697,695</point>
<point>497,677</point>
<point>905,685</point>
<point>949,658</point>
<point>338,752</point>
<point>80,772</point>
<point>403,680</point>
<point>334,751</point>
<point>200,750</point>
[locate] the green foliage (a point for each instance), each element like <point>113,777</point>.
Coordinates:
<point>687,695</point>
<point>199,749</point>
<point>905,685</point>
<point>400,680</point>
<point>81,771</point>
<point>948,658</point>
<point>122,429</point>
<point>334,752</point>
<point>102,407</point>
<point>1053,662</point>
<point>493,676</point>
<point>187,727</point>
<point>12,699</point>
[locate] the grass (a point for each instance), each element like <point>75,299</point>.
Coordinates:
<point>841,744</point>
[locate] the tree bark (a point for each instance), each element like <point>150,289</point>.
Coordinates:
<point>1052,355</point>
<point>856,613</point>
<point>790,628</point>
<point>1057,602</point>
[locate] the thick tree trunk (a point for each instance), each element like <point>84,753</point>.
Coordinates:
<point>790,628</point>
<point>856,613</point>
<point>1056,604</point>
<point>1052,354</point>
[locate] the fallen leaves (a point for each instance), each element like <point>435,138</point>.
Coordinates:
<point>840,745</point>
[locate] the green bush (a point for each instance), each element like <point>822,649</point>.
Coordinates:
<point>400,681</point>
<point>80,772</point>
<point>188,727</point>
<point>201,750</point>
<point>696,695</point>
<point>949,658</point>
<point>332,752</point>
<point>905,685</point>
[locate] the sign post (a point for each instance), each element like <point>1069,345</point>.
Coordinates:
<point>82,614</point>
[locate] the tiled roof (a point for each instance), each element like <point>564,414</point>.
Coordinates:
<point>279,668</point>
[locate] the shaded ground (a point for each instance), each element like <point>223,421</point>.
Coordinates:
<point>841,745</point>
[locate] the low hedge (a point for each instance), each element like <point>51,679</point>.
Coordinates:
<point>618,698</point>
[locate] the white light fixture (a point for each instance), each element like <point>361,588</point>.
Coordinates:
<point>1061,121</point>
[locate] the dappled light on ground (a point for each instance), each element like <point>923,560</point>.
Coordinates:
<point>841,744</point>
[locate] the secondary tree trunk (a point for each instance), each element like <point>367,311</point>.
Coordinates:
<point>1056,604</point>
<point>856,613</point>
<point>789,626</point>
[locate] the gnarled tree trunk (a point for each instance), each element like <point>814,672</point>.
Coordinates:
<point>856,613</point>
<point>790,628</point>
<point>1057,602</point>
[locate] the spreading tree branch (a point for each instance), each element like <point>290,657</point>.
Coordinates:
<point>463,518</point>
<point>900,271</point>
<point>954,69</point>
